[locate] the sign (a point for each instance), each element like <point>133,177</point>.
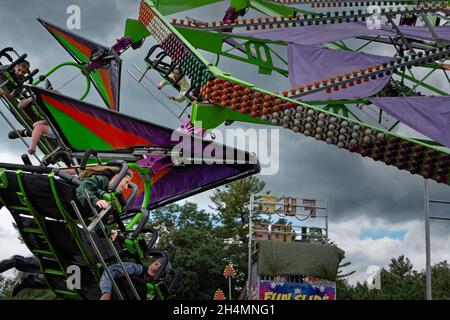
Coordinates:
<point>268,202</point>
<point>269,290</point>
<point>290,206</point>
<point>219,295</point>
<point>229,271</point>
<point>310,205</point>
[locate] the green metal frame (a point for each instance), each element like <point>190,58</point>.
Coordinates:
<point>3,179</point>
<point>272,8</point>
<point>154,289</point>
<point>226,76</point>
<point>39,222</point>
<point>421,83</point>
<point>82,68</point>
<point>214,42</point>
<point>135,30</point>
<point>211,116</point>
<point>71,223</point>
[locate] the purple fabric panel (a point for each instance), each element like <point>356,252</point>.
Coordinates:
<point>320,34</point>
<point>317,35</point>
<point>429,115</point>
<point>422,33</point>
<point>308,64</point>
<point>180,180</point>
<point>230,14</point>
<point>186,180</point>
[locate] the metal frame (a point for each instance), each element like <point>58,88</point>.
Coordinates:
<point>254,201</point>
<point>428,218</point>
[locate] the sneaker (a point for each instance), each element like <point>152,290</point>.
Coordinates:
<point>18,286</point>
<point>19,133</point>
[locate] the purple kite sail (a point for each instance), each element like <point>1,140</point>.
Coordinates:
<point>317,35</point>
<point>309,64</point>
<point>325,33</point>
<point>429,115</point>
<point>423,33</point>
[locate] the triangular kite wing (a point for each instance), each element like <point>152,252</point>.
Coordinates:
<point>106,78</point>
<point>83,126</point>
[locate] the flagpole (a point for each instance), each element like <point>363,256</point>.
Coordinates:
<point>229,288</point>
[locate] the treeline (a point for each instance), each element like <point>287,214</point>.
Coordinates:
<point>399,281</point>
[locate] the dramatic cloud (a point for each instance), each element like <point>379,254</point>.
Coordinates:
<point>365,252</point>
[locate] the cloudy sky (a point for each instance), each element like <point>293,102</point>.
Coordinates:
<point>376,212</point>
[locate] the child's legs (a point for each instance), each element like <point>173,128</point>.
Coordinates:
<point>40,128</point>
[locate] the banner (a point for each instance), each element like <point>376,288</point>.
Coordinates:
<point>269,290</point>
<point>310,205</point>
<point>268,202</point>
<point>290,206</point>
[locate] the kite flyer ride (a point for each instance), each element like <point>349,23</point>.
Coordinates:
<point>84,206</point>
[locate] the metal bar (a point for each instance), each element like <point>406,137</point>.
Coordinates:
<point>99,217</point>
<point>111,245</point>
<point>326,221</point>
<point>399,33</point>
<point>414,43</point>
<point>250,217</point>
<point>97,251</point>
<point>278,56</point>
<point>144,76</point>
<point>421,80</point>
<point>281,71</point>
<point>439,201</point>
<point>446,75</point>
<point>284,215</point>
<point>144,73</point>
<point>394,125</point>
<point>350,111</point>
<point>168,109</point>
<point>366,44</point>
<point>422,84</point>
<point>427,241</point>
<point>297,206</point>
<point>440,218</point>
<point>430,27</point>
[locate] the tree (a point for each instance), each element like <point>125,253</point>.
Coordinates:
<point>440,280</point>
<point>196,252</point>
<point>233,204</point>
<point>401,267</point>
